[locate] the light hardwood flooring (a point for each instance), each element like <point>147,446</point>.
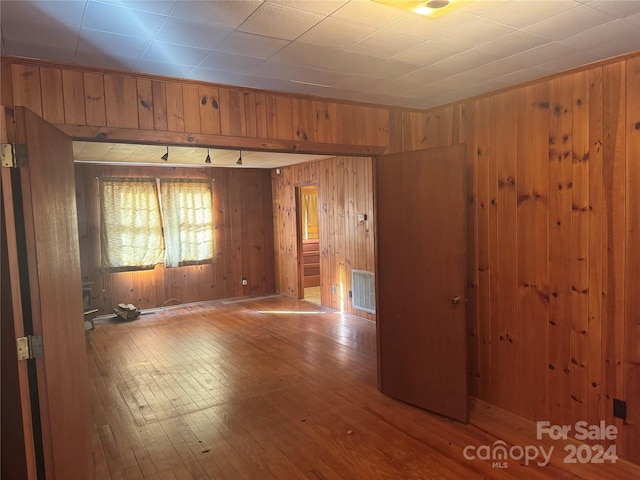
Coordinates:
<point>274,388</point>
<point>312,294</point>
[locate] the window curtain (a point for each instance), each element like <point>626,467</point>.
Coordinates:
<point>310,216</point>
<point>131,231</point>
<point>187,215</point>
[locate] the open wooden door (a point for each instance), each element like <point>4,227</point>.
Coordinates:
<point>421,330</point>
<point>41,234</point>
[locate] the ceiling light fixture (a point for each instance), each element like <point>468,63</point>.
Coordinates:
<point>165,157</point>
<point>208,159</point>
<point>427,8</point>
<point>239,162</point>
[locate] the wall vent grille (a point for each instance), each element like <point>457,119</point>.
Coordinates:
<point>364,290</point>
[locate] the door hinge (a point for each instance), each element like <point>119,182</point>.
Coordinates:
<point>29,347</point>
<point>13,155</point>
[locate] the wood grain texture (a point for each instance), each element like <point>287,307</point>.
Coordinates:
<point>342,128</point>
<point>231,390</point>
<point>345,190</point>
<point>243,226</point>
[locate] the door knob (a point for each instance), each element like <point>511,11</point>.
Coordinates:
<point>455,300</point>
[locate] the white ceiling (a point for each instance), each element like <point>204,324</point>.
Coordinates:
<point>94,152</point>
<point>355,50</point>
<point>346,49</point>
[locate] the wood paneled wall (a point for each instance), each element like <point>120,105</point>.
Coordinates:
<point>89,103</point>
<point>244,241</point>
<point>553,219</point>
<point>553,243</point>
<point>345,189</point>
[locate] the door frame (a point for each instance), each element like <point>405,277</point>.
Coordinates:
<point>299,245</point>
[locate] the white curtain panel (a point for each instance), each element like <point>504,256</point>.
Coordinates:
<point>188,221</point>
<point>131,224</point>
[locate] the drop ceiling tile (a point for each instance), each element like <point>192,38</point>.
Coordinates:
<point>49,51</point>
<point>570,61</point>
<point>124,21</point>
<point>516,42</point>
<point>300,73</point>
<point>229,62</point>
<point>369,13</point>
<point>111,43</point>
<point>519,14</point>
<point>215,76</point>
<point>593,38</point>
<point>56,23</point>
<point>272,20</point>
<point>525,75</point>
<point>303,53</point>
<point>242,43</point>
<point>616,46</point>
<point>542,54</point>
<point>334,32</point>
<point>177,54</point>
<point>348,62</point>
<point>163,7</point>
<point>104,60</point>
<point>428,91</point>
<point>480,7</point>
<point>495,69</point>
<point>226,13</point>
<point>616,8</point>
<point>463,61</point>
<point>475,32</point>
<point>358,82</point>
<point>385,44</point>
<point>263,83</point>
<point>316,6</point>
<point>462,81</point>
<point>568,23</point>
<point>428,52</point>
<point>427,28</point>
<point>194,34</point>
<point>164,69</point>
<point>376,98</point>
<point>417,78</point>
<point>635,19</point>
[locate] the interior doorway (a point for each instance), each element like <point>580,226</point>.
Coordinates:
<point>309,243</point>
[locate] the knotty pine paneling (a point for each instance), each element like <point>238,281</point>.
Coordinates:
<point>552,223</point>
<point>518,358</point>
<point>345,189</point>
<point>244,240</point>
<point>141,102</point>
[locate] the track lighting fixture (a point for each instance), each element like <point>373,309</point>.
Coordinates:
<point>208,159</point>
<point>165,157</point>
<point>239,162</point>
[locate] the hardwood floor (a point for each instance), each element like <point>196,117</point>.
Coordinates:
<point>273,388</point>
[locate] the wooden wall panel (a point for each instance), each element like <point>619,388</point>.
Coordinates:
<point>243,224</point>
<point>566,341</point>
<point>120,98</point>
<point>52,95</point>
<point>345,189</point>
<point>73,97</point>
<point>632,273</point>
<point>562,361</point>
<point>529,256</point>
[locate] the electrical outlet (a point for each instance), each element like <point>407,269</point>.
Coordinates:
<point>333,289</point>
<point>244,281</point>
<point>619,409</point>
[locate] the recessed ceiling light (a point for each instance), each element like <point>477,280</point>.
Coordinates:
<point>427,8</point>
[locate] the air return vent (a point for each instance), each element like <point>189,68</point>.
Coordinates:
<point>364,290</point>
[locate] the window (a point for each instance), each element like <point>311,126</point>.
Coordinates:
<point>188,221</point>
<point>131,223</point>
<point>142,226</point>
